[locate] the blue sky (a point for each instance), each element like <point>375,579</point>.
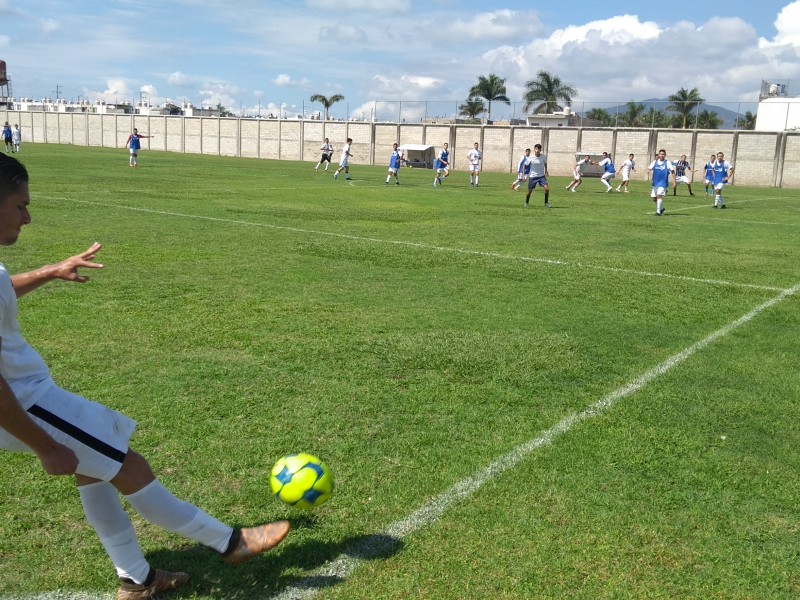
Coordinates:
<point>254,55</point>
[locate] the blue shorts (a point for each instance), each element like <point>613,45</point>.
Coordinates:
<point>534,181</point>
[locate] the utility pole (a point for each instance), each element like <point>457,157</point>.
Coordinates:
<point>57,91</point>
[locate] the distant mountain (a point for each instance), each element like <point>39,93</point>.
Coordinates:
<point>728,116</point>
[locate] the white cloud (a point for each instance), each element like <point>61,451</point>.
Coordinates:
<point>378,6</point>
<point>498,25</point>
<point>5,41</point>
<point>49,25</point>
<point>284,80</point>
<point>179,79</point>
<point>343,34</point>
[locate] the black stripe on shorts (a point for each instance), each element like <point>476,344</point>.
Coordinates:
<point>79,434</point>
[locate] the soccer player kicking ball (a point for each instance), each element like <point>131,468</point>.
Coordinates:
<point>74,436</point>
<point>661,169</point>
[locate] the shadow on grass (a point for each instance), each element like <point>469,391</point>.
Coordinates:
<point>266,576</point>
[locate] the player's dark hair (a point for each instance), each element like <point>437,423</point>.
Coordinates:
<point>539,146</point>
<point>12,175</point>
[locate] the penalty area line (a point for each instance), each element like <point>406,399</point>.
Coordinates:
<point>423,246</point>
<point>378,545</point>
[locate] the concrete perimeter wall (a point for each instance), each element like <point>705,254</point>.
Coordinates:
<point>761,159</point>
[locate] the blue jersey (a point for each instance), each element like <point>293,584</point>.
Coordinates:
<point>443,160</point>
<point>134,142</point>
<point>7,133</point>
<point>709,171</point>
<point>661,170</point>
<point>524,165</point>
<point>609,167</point>
<point>720,171</point>
<point>394,161</point>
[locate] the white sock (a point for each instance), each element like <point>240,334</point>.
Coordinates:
<point>717,200</point>
<point>659,205</point>
<point>103,510</point>
<point>476,180</point>
<point>388,177</point>
<point>156,503</point>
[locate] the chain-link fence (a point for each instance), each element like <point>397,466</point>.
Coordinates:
<point>646,113</point>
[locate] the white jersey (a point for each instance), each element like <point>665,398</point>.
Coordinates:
<point>474,157</point>
<point>628,166</point>
<point>20,365</point>
<point>345,152</point>
<point>538,166</point>
<point>578,166</point>
<point>326,148</point>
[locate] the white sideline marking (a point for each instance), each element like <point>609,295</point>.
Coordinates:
<point>735,221</point>
<point>341,568</point>
<point>421,245</point>
<point>711,198</point>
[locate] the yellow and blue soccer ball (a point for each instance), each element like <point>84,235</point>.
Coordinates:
<point>301,480</point>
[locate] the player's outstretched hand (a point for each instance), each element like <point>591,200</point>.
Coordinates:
<point>68,269</point>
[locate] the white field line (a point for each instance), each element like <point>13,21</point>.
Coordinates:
<point>668,200</point>
<point>735,221</point>
<point>339,569</point>
<point>424,246</point>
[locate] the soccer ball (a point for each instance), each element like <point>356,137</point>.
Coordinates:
<point>301,480</point>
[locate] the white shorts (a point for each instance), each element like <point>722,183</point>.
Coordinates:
<point>577,177</point>
<point>344,163</point>
<point>625,177</point>
<point>522,177</point>
<point>134,152</point>
<point>608,176</point>
<point>658,192</point>
<point>708,181</point>
<point>98,435</point>
<point>719,186</point>
<point>444,170</point>
<point>682,179</point>
<point>475,168</point>
<point>393,170</point>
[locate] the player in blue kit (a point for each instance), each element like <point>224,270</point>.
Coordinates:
<point>661,169</point>
<point>538,175</point>
<point>723,171</point>
<point>708,170</point>
<point>609,171</point>
<point>395,160</point>
<point>442,165</point>
<point>523,170</point>
<point>135,145</point>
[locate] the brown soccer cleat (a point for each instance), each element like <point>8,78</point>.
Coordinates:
<point>252,541</point>
<point>162,581</point>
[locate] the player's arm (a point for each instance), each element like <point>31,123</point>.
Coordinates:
<point>66,270</point>
<point>128,141</point>
<point>56,458</point>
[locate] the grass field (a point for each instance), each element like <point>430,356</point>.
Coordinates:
<point>581,402</point>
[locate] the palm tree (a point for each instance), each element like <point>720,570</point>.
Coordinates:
<point>634,116</point>
<point>684,102</point>
<point>602,115</point>
<point>327,102</point>
<point>748,121</point>
<point>490,88</point>
<point>708,120</point>
<point>472,108</point>
<point>223,112</point>
<point>548,90</point>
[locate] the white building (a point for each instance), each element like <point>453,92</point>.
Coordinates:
<point>778,114</point>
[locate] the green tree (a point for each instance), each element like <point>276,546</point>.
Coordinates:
<point>491,89</point>
<point>602,115</point>
<point>748,121</point>
<point>472,108</point>
<point>634,116</point>
<point>223,112</point>
<point>547,90</point>
<point>684,102</point>
<point>708,120</point>
<point>327,102</point>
